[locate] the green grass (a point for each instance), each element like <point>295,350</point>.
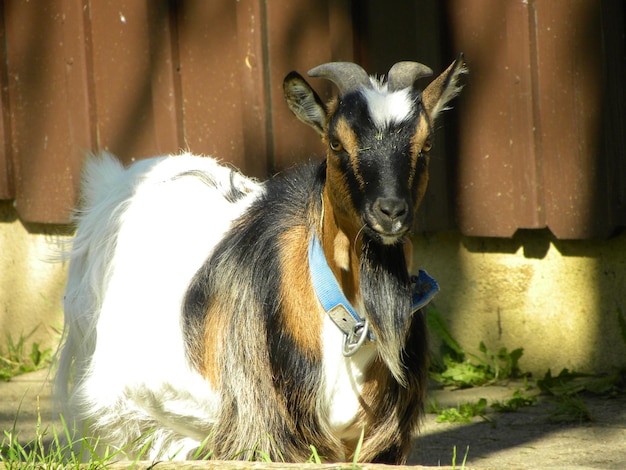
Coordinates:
<point>464,458</point>
<point>52,448</point>
<point>16,359</point>
<point>49,449</point>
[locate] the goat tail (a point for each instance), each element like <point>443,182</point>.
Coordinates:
<point>104,188</point>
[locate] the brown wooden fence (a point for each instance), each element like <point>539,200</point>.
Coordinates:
<point>542,128</point>
<point>538,139</point>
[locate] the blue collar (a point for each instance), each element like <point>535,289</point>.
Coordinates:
<point>329,293</point>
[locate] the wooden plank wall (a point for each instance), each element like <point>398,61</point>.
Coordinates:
<point>537,142</point>
<point>147,78</point>
<point>533,147</point>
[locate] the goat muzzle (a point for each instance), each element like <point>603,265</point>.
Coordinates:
<point>389,218</point>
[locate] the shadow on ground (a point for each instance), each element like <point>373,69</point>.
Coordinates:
<point>526,438</point>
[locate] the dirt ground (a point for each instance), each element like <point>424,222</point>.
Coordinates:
<point>522,439</point>
<point>526,438</point>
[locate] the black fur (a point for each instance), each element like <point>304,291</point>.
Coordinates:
<point>384,156</point>
<point>243,273</point>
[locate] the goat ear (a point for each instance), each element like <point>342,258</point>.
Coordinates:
<point>444,88</point>
<point>304,102</point>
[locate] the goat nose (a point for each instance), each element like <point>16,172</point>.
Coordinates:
<point>391,208</point>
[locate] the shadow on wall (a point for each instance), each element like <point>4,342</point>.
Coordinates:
<point>559,300</point>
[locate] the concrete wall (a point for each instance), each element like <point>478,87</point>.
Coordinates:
<point>31,281</point>
<point>559,300</point>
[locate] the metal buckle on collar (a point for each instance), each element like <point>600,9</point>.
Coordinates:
<point>353,340</point>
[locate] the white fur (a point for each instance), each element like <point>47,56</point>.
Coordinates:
<point>343,381</point>
<point>387,108</point>
<point>142,234</point>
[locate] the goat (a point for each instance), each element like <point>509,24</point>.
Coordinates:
<point>205,308</point>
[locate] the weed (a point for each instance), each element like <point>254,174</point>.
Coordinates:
<point>462,369</point>
<point>569,409</point>
<point>17,360</point>
<point>566,388</point>
<point>519,400</point>
<point>463,413</point>
<point>458,368</point>
<point>437,324</point>
<point>570,383</point>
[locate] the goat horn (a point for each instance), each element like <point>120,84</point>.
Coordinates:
<point>346,75</point>
<point>404,74</point>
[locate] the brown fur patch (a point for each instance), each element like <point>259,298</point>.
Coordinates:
<point>350,143</point>
<point>338,202</point>
<point>332,223</point>
<point>304,322</point>
<point>422,133</point>
<point>422,184</point>
<point>214,329</point>
<point>341,251</point>
<point>331,108</point>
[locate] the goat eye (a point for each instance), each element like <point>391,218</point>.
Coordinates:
<point>336,146</point>
<point>427,146</point>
